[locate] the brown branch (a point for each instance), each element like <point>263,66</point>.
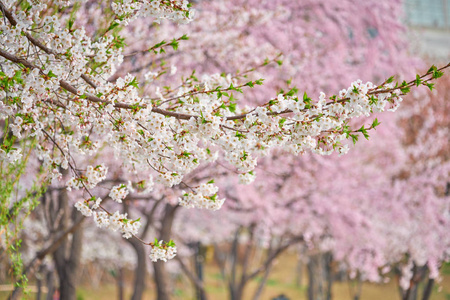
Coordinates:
<point>195,281</point>
<point>272,257</point>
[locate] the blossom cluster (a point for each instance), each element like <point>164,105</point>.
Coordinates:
<point>118,193</point>
<point>11,156</point>
<point>174,10</point>
<point>93,176</point>
<point>203,196</point>
<point>162,251</point>
<point>247,178</point>
<point>114,222</point>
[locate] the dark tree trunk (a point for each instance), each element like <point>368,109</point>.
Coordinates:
<point>235,292</point>
<point>262,284</point>
<point>199,258</point>
<point>141,269</point>
<point>419,275</point>
<point>319,276</point>
<point>357,292</point>
<point>161,280</point>
<point>67,256</point>
<point>140,272</point>
<point>50,285</point>
<point>237,295</point>
<point>299,273</point>
<point>160,276</point>
<point>39,287</point>
<point>67,267</point>
<point>120,284</point>
<point>428,289</point>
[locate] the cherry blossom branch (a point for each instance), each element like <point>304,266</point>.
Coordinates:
<point>38,44</point>
<point>182,116</point>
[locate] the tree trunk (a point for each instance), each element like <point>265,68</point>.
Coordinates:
<point>319,276</point>
<point>199,258</point>
<point>160,276</point>
<point>120,283</point>
<point>140,271</point>
<point>67,267</point>
<point>299,273</point>
<point>419,275</point>
<point>411,293</point>
<point>50,285</point>
<point>357,293</point>
<point>39,287</point>
<point>161,281</point>
<point>235,294</point>
<point>67,256</point>
<point>428,289</point>
<point>262,284</point>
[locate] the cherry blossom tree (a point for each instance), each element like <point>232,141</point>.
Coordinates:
<point>62,89</point>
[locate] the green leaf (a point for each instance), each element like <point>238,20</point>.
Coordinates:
<point>306,98</point>
<point>292,92</point>
<point>231,87</point>
<point>186,154</point>
<point>163,42</point>
<point>232,107</point>
<point>51,74</point>
<point>405,90</point>
<point>239,135</point>
<point>112,26</point>
<point>390,79</point>
<point>437,74</point>
<point>373,100</point>
<point>174,44</point>
<point>375,123</point>
<point>70,23</point>
<point>307,101</point>
<point>432,68</point>
<point>134,83</point>
<point>250,84</point>
<point>363,130</point>
<point>418,81</point>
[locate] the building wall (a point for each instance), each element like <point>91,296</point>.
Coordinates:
<point>428,13</point>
